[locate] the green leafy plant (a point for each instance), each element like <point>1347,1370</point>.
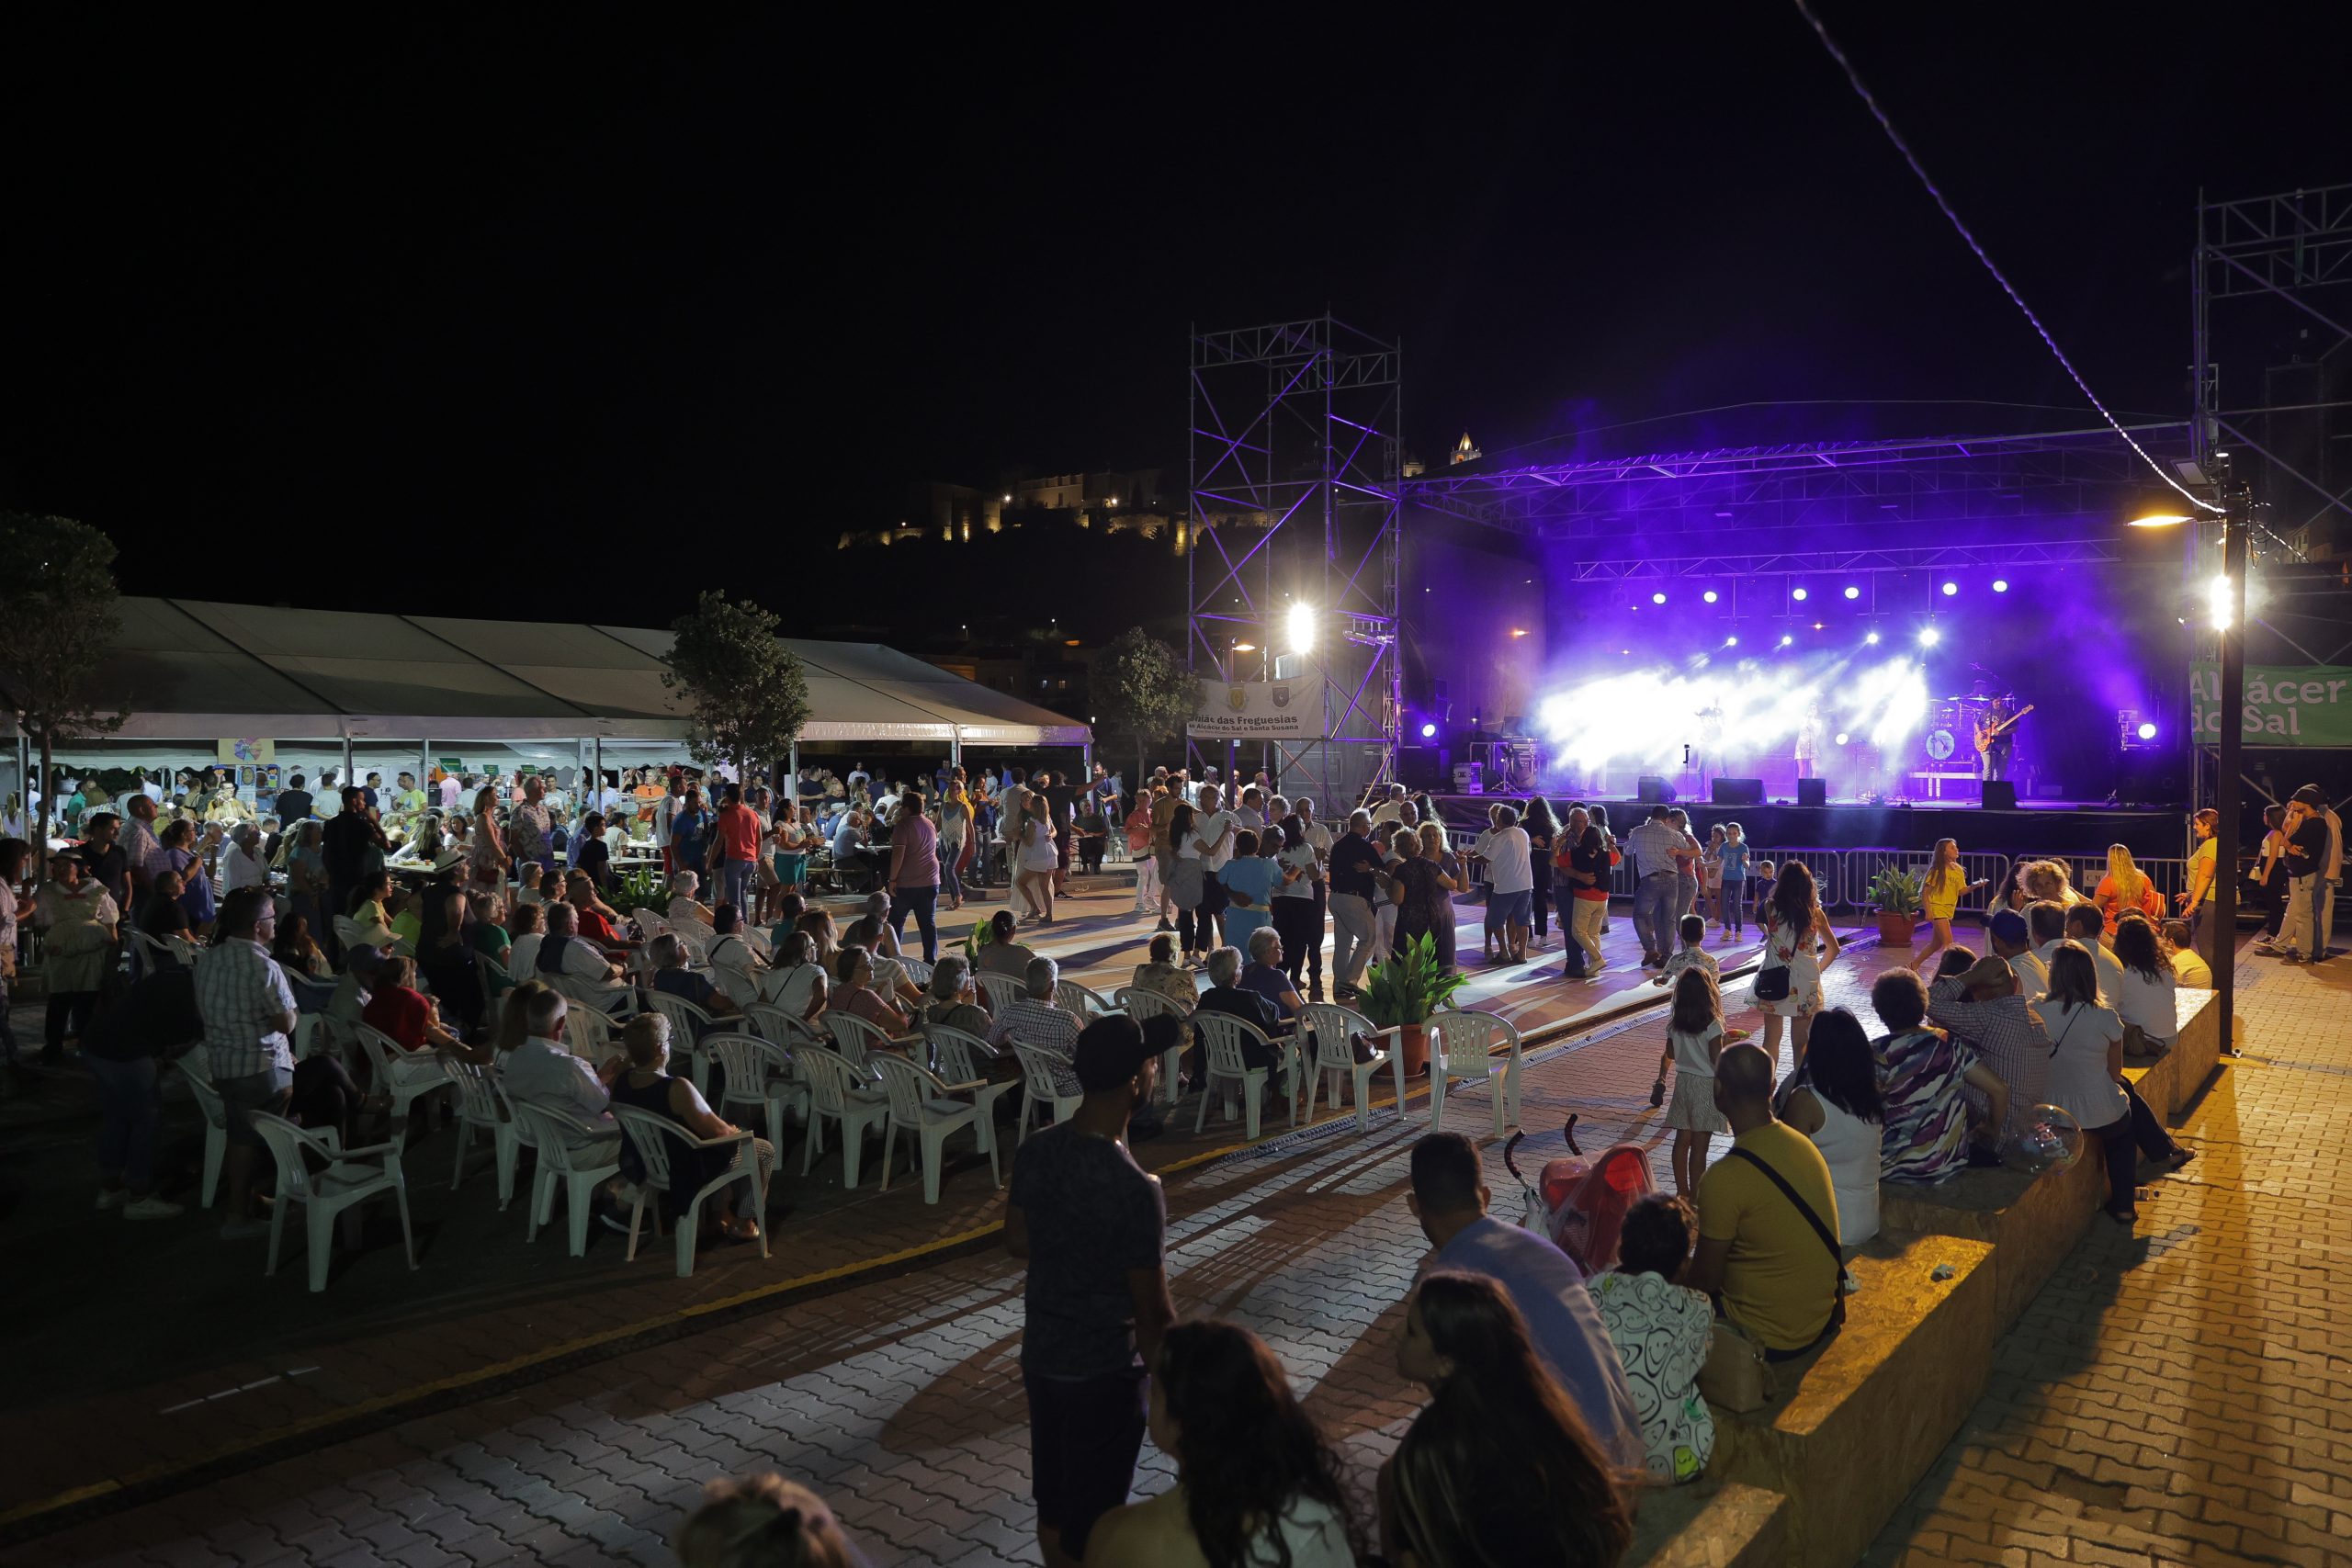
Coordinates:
<point>1895,892</point>
<point>1410,986</point>
<point>641,887</point>
<point>978,937</point>
<point>1144,691</point>
<point>58,601</point>
<point>745,691</point>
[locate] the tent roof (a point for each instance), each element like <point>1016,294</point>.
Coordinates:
<point>195,670</point>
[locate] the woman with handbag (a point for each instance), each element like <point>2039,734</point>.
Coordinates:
<point>1798,944</point>
<point>1188,885</point>
<point>2086,1079</point>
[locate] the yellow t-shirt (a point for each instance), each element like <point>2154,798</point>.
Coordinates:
<point>1939,892</point>
<point>1779,1281</point>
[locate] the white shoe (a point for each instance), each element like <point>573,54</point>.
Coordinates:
<point>151,1208</point>
<point>109,1200</point>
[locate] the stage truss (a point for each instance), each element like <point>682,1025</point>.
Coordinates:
<point>1294,463</point>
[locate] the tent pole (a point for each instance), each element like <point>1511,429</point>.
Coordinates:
<point>793,761</point>
<point>424,773</point>
<point>597,779</point>
<point>347,780</point>
<point>954,745</point>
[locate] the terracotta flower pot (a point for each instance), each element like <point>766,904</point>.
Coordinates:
<point>1896,930</point>
<point>1413,1040</point>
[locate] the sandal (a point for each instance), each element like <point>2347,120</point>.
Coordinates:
<point>741,1230</point>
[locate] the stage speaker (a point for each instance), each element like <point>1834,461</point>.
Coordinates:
<point>1738,792</point>
<point>1655,791</point>
<point>1422,767</point>
<point>2150,778</point>
<point>2000,794</point>
<point>1812,792</point>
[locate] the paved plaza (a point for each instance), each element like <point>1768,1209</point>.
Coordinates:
<point>2175,1394</point>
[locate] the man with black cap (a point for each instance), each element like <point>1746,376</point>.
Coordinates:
<point>1091,1226</point>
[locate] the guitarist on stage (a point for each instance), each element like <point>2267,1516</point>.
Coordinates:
<point>1996,737</point>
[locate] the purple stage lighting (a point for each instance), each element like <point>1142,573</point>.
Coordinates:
<point>1951,589</point>
<point>1657,598</point>
<point>1429,731</point>
<point>1786,639</point>
<point>1710,595</point>
<point>2001,585</point>
<point>1843,738</point>
<point>1852,591</point>
<point>1731,642</point>
<point>1872,640</point>
<point>1798,594</point>
<point>1929,637</point>
<point>2147,732</point>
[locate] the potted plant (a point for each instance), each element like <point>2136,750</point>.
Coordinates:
<point>1896,894</point>
<point>978,937</point>
<point>1403,992</point>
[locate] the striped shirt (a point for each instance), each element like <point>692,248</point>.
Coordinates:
<point>2006,1035</point>
<point>244,998</point>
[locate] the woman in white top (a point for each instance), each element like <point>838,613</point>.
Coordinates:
<point>2141,989</point>
<point>797,981</point>
<point>1797,936</point>
<point>1251,1469</point>
<point>2086,1079</point>
<point>1035,860</point>
<point>1836,1104</point>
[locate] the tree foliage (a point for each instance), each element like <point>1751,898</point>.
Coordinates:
<point>745,690</point>
<point>1143,692</point>
<point>57,602</point>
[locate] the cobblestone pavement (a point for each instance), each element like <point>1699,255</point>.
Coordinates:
<point>2183,1393</point>
<point>900,1398</point>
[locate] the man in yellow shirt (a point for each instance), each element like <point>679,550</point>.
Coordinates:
<point>1771,1272</point>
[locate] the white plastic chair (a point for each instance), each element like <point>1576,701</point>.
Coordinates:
<point>588,1034</point>
<point>758,1073</point>
<point>1139,1003</point>
<point>649,924</point>
<point>921,1107</point>
<point>856,1039</point>
<point>777,1027</point>
<point>571,1151</point>
<point>688,1024</point>
<point>837,1090</point>
<point>495,974</point>
<point>1037,1065</point>
<point>737,975</point>
<point>1001,991</point>
<point>406,1075</point>
<point>1450,1060</point>
<point>1086,1003</point>
<point>152,956</point>
<point>918,973</point>
<point>1222,1036</point>
<point>1332,1027</point>
<point>1480,1032</point>
<point>650,1134</point>
<point>957,1056</point>
<point>614,1001</point>
<point>199,1077</point>
<point>478,1106</point>
<point>351,1178</point>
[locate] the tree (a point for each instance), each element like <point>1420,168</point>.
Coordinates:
<point>1144,691</point>
<point>57,602</point>
<point>746,692</point>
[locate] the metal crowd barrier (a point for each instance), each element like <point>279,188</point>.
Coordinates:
<point>1862,867</point>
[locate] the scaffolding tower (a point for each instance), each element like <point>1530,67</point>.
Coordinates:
<point>1294,501</point>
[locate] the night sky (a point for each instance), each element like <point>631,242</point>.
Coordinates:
<point>412,317</point>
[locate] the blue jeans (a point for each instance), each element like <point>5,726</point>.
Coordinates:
<point>129,1109</point>
<point>948,855</point>
<point>920,902</point>
<point>1655,910</point>
<point>735,884</point>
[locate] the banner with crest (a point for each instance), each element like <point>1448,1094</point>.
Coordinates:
<point>1258,710</point>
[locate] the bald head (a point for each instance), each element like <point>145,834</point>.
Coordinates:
<point>1742,1077</point>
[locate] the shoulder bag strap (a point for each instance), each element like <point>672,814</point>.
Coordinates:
<point>1804,1208</point>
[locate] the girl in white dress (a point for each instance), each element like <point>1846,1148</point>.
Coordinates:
<point>1694,1038</point>
<point>1797,938</point>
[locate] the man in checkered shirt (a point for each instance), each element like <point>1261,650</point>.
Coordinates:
<point>1032,1020</point>
<point>1983,1005</point>
<point>249,1013</point>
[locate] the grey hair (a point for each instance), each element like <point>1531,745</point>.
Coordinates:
<point>684,883</point>
<point>1359,818</point>
<point>1225,967</point>
<point>668,952</point>
<point>1043,976</point>
<point>1262,941</point>
<point>947,976</point>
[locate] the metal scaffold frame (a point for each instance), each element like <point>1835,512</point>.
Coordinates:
<point>1295,433</point>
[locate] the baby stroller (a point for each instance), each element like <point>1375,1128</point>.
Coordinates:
<point>1580,1206</point>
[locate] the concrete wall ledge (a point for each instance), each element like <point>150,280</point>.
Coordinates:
<point>1708,1524</point>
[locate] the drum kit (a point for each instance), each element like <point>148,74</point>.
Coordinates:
<point>1950,737</point>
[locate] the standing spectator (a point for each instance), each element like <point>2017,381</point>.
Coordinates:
<point>81,925</point>
<point>1798,938</point>
<point>1767,1248</point>
<point>690,828</point>
<point>1091,1226</point>
<point>1543,836</point>
<point>346,845</point>
<point>739,834</point>
<point>1296,907</point>
<point>108,863</point>
<point>124,1048</point>
<point>1138,827</point>
<point>955,835</point>
<point>249,1014</point>
<point>1449,1196</point>
<point>2269,875</point>
<point>530,826</point>
<point>1511,881</point>
<point>1734,856</point>
<point>1653,846</point>
<point>293,802</point>
<point>14,854</point>
<point>2196,902</point>
<point>1423,895</point>
<point>1586,877</point>
<point>195,887</point>
<point>1355,884</point>
<point>915,874</point>
<point>1662,1331</point>
<point>2125,887</point>
<point>2301,935</point>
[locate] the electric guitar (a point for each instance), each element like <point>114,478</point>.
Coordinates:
<point>1988,733</point>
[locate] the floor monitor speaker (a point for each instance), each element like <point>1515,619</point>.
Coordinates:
<point>1812,792</point>
<point>1738,792</point>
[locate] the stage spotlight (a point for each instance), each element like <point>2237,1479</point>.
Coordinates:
<point>2147,732</point>
<point>2001,585</point>
<point>1731,642</point>
<point>1302,629</point>
<point>1929,637</point>
<point>1798,594</point>
<point>1951,589</point>
<point>1657,598</point>
<point>2220,600</point>
<point>1786,639</point>
<point>1843,738</point>
<point>1710,595</point>
<point>1429,731</point>
<point>1852,591</point>
<point>1872,640</point>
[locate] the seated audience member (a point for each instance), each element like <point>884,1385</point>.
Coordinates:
<point>673,978</point>
<point>796,981</point>
<point>1984,1007</point>
<point>1225,995</point>
<point>1662,1331</point>
<point>598,921</point>
<point>2012,943</point>
<point>2143,991</point>
<point>1449,1197</point>
<point>730,948</point>
<point>855,994</point>
<point>890,977</point>
<point>955,999</point>
<point>298,951</point>
<point>530,885</point>
<point>2189,966</point>
<point>789,908</point>
<point>753,1521</point>
<point>649,1085</point>
<point>823,939</point>
<point>1498,1468</point>
<point>877,909</point>
<point>2049,881</point>
<point>1032,1019</point>
<point>1265,975</point>
<point>1256,1482</point>
<point>410,1019</point>
<point>2084,926</point>
<point>163,912</point>
<point>2045,920</point>
<point>536,1066</point>
<point>1924,1075</point>
<point>1002,954</point>
<point>683,905</point>
<point>1836,1103</point>
<point>486,926</point>
<point>1775,1273</point>
<point>2086,1080</point>
<point>526,928</point>
<point>1165,976</point>
<point>562,954</point>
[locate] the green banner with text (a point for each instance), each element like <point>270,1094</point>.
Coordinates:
<point>2286,705</point>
